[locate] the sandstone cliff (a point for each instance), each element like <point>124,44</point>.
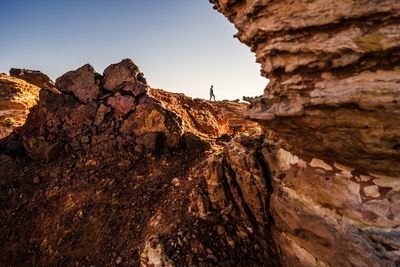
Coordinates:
<point>333,101</point>
<point>16,97</point>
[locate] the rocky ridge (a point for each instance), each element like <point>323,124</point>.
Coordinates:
<point>333,104</point>
<point>108,171</point>
<point>34,77</point>
<point>16,97</point>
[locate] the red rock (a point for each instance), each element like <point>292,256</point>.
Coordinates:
<point>135,88</point>
<point>116,74</point>
<point>34,77</point>
<point>121,104</point>
<point>83,83</point>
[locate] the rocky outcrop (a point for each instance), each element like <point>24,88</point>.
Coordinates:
<point>16,97</point>
<point>334,73</point>
<point>84,83</point>
<point>34,77</point>
<point>83,116</point>
<point>333,102</point>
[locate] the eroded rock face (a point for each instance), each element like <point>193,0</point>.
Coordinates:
<point>82,82</point>
<point>334,74</point>
<point>16,97</point>
<point>34,77</point>
<point>333,102</point>
<point>330,214</point>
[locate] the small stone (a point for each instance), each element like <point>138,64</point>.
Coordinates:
<point>175,182</point>
<point>75,145</point>
<point>372,191</point>
<point>36,180</point>
<point>124,165</point>
<point>102,110</point>
<point>85,139</point>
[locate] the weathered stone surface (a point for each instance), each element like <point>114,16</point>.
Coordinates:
<point>34,77</point>
<point>102,110</point>
<point>152,118</point>
<point>121,104</point>
<point>334,74</point>
<point>117,74</point>
<point>333,102</point>
<point>240,170</point>
<point>16,97</point>
<point>323,215</point>
<point>135,88</point>
<point>83,83</point>
<point>198,115</point>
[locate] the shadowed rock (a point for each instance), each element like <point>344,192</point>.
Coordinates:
<point>34,77</point>
<point>83,83</point>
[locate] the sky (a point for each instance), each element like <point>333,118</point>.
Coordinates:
<point>180,45</point>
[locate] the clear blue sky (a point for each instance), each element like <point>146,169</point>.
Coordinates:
<point>180,45</point>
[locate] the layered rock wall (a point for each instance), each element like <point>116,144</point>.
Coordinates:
<point>333,101</point>
<point>334,76</point>
<point>16,97</point>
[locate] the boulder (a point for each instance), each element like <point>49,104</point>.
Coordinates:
<point>34,77</point>
<point>117,74</point>
<point>41,149</point>
<point>135,88</point>
<point>83,83</point>
<point>121,104</point>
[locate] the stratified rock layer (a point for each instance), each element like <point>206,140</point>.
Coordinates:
<point>16,97</point>
<point>334,101</point>
<point>334,76</point>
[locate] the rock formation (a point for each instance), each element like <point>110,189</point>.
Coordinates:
<point>16,97</point>
<point>333,102</point>
<point>85,116</point>
<point>129,174</point>
<point>34,77</point>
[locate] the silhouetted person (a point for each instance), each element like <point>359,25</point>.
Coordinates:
<point>212,93</point>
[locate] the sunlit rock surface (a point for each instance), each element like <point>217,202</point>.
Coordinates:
<point>334,76</point>
<point>16,97</point>
<point>333,102</point>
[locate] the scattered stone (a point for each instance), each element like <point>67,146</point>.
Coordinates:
<point>124,165</point>
<point>118,261</point>
<point>135,88</point>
